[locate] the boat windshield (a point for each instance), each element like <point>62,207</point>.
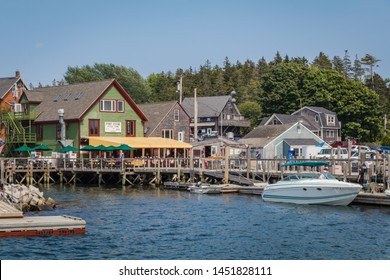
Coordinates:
<point>307,176</point>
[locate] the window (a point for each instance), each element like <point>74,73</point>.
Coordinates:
<point>167,133</point>
<point>67,96</point>
<point>329,133</point>
<point>330,119</point>
<point>107,105</point>
<point>180,136</point>
<point>39,131</point>
<point>176,115</point>
<point>316,118</point>
<point>121,106</point>
<point>93,127</point>
<point>130,128</point>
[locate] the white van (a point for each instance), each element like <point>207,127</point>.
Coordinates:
<point>325,153</point>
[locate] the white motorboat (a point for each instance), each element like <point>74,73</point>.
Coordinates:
<point>205,188</point>
<point>311,188</point>
<point>387,192</point>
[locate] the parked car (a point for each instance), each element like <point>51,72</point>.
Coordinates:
<point>325,153</point>
<point>355,148</point>
<point>367,155</point>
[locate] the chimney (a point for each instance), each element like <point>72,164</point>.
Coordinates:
<point>17,74</point>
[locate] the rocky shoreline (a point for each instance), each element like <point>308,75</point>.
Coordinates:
<point>25,198</point>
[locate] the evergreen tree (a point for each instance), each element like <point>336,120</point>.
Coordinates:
<point>322,62</point>
<point>338,64</point>
<point>371,62</point>
<point>358,71</point>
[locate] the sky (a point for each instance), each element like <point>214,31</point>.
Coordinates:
<point>42,38</point>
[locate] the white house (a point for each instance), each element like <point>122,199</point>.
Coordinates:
<point>275,141</point>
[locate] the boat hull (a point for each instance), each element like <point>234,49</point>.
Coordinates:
<point>325,192</point>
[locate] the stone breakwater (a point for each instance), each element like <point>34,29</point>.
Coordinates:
<point>25,198</point>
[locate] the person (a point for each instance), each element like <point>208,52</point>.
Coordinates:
<point>324,173</point>
<point>258,158</point>
<point>362,172</point>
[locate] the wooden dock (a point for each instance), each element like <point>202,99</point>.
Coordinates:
<point>14,223</point>
<point>42,225</point>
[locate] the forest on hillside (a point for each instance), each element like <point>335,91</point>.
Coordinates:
<point>349,87</point>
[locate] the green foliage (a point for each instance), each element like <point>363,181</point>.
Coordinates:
<point>130,80</point>
<point>251,110</point>
<point>385,140</point>
<point>282,85</point>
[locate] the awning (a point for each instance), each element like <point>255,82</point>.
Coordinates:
<point>139,142</point>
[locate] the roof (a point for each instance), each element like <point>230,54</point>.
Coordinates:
<point>155,113</point>
<point>301,141</point>
<point>208,106</point>
<point>81,97</point>
<point>263,134</point>
<point>317,110</point>
<point>6,85</point>
<point>286,119</point>
<point>140,142</point>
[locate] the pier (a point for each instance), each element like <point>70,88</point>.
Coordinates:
<point>179,172</point>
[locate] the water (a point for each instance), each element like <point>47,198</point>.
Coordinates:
<point>148,223</point>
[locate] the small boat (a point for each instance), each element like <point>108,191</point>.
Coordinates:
<point>205,189</point>
<point>387,192</point>
<point>311,188</point>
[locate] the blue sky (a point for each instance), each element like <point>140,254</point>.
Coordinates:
<point>42,38</point>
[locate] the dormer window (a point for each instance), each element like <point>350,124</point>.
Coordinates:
<point>330,119</point>
<point>317,118</point>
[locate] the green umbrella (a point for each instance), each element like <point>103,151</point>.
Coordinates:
<point>125,147</point>
<point>110,149</point>
<point>89,148</point>
<point>101,148</point>
<point>68,149</point>
<point>23,148</point>
<point>41,148</point>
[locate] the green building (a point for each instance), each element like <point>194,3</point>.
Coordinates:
<point>71,114</point>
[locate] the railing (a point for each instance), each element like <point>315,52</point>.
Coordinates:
<point>337,166</point>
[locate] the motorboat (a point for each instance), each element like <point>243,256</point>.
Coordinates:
<point>205,188</point>
<point>387,192</point>
<point>311,188</point>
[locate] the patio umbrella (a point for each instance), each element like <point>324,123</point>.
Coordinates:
<point>101,148</point>
<point>23,148</point>
<point>68,149</point>
<point>125,147</point>
<point>41,148</point>
<point>89,148</point>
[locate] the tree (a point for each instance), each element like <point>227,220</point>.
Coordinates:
<point>251,110</point>
<point>322,62</point>
<point>338,64</point>
<point>356,106</point>
<point>347,65</point>
<point>129,79</point>
<point>282,88</point>
<point>371,62</point>
<point>358,71</point>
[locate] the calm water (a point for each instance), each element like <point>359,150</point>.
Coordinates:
<point>136,223</point>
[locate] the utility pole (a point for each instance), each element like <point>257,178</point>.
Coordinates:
<point>195,117</point>
<point>180,89</point>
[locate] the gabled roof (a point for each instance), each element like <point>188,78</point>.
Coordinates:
<point>208,106</point>
<point>263,135</point>
<point>156,112</point>
<point>288,119</point>
<point>80,98</point>
<point>316,109</point>
<point>6,85</point>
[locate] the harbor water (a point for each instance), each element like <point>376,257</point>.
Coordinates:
<point>151,223</point>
